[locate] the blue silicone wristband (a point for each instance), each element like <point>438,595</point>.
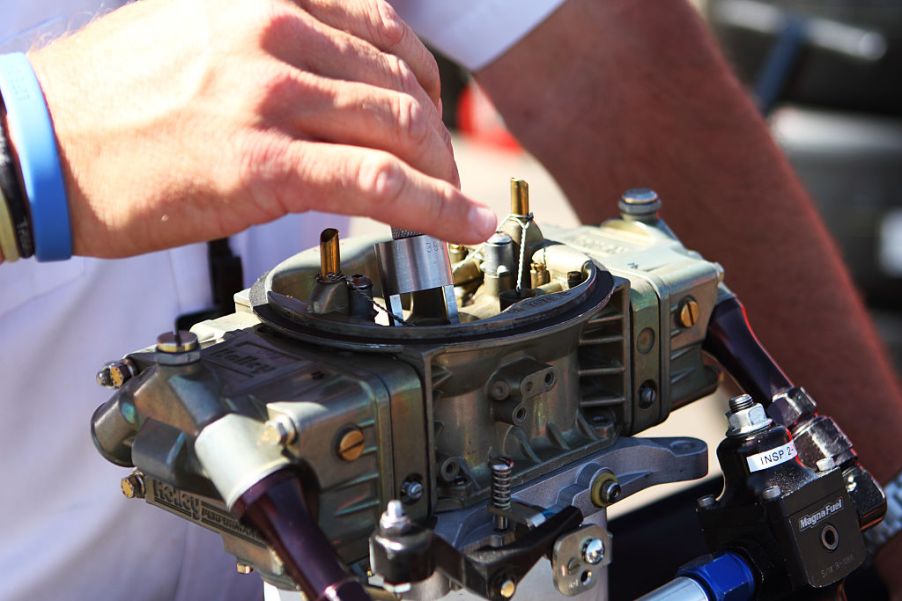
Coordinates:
<point>29,124</point>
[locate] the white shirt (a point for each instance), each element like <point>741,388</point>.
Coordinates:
<point>66,531</point>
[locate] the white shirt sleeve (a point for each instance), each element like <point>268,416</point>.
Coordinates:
<point>474,32</point>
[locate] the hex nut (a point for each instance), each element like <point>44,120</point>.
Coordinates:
<point>746,418</point>
<point>115,373</point>
<point>133,486</point>
<point>243,568</point>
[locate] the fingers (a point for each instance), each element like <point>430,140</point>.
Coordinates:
<point>358,114</point>
<point>377,22</point>
<point>354,181</point>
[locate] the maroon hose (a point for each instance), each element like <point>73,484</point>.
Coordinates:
<point>275,506</point>
<point>732,342</point>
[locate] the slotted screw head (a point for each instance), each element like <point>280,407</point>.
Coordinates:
<point>351,444</point>
<point>688,313</point>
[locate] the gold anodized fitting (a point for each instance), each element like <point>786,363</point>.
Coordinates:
<point>329,258</point>
<point>519,196</point>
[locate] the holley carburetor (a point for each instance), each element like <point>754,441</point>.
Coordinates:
<point>403,417</point>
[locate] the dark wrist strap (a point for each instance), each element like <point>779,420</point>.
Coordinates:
<point>226,278</point>
<point>11,187</point>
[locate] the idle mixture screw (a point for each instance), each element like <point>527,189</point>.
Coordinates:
<point>593,551</point>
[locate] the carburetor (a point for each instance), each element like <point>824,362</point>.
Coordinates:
<point>404,416</point>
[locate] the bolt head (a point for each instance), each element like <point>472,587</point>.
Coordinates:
<point>104,378</point>
<point>593,551</point>
<point>115,373</point>
<point>648,394</point>
<point>500,390</point>
<point>351,444</point>
<point>507,588</point>
<point>611,491</point>
<point>132,486</point>
<point>412,491</point>
<point>243,568</point>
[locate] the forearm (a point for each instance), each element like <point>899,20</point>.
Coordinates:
<point>610,95</point>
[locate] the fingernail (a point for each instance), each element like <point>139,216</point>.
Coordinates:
<point>483,220</point>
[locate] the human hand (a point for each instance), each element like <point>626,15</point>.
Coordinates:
<point>180,121</point>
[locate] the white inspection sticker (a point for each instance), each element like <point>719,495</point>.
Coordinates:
<point>775,456</point>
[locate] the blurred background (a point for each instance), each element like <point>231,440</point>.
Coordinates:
<point>827,76</point>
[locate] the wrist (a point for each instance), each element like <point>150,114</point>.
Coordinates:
<point>33,148</point>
